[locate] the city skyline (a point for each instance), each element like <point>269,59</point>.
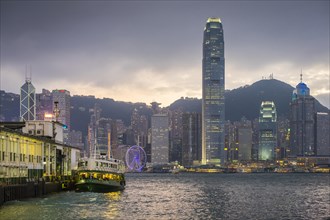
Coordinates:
<point>113,49</point>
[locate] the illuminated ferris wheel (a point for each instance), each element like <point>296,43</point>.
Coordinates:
<point>136,158</point>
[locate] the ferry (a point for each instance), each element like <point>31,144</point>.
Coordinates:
<point>99,174</point>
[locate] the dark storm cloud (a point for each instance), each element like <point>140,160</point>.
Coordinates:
<point>108,47</point>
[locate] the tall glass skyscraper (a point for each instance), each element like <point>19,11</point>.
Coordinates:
<point>213,108</point>
<point>28,101</point>
<point>267,131</point>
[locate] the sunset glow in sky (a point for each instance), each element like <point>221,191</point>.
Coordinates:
<point>144,51</point>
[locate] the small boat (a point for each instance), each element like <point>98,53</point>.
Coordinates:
<point>99,174</point>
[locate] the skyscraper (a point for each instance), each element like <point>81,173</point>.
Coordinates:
<point>176,135</point>
<point>44,105</point>
<point>62,97</point>
<point>28,101</point>
<point>103,136</point>
<point>244,138</point>
<point>191,138</point>
<point>267,131</point>
<point>160,139</point>
<point>322,130</point>
<point>213,107</point>
<point>302,122</point>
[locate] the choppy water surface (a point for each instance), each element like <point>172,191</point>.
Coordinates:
<point>189,196</point>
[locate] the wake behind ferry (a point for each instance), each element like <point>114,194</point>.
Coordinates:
<point>99,174</point>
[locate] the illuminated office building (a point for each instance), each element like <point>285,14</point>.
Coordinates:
<point>267,131</point>
<point>213,105</point>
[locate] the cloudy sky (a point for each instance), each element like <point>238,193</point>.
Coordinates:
<point>144,51</point>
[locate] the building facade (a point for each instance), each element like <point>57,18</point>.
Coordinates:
<point>191,140</point>
<point>44,105</point>
<point>176,135</point>
<point>62,98</point>
<point>160,139</point>
<point>267,131</point>
<point>103,136</point>
<point>244,132</point>
<point>31,155</point>
<point>213,104</point>
<point>322,130</point>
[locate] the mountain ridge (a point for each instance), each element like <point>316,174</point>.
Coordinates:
<point>240,102</point>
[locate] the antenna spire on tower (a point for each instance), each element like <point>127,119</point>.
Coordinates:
<point>30,72</point>
<point>301,75</point>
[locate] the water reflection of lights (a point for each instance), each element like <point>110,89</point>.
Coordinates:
<point>113,195</point>
<point>111,211</point>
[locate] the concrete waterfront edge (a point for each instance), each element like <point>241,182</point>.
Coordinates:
<point>30,190</point>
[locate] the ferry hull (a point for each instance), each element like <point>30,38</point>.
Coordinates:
<point>98,186</point>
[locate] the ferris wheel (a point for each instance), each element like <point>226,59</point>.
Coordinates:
<point>136,158</point>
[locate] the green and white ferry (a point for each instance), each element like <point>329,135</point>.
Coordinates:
<point>100,174</point>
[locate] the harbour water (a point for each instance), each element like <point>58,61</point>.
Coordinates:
<point>189,196</point>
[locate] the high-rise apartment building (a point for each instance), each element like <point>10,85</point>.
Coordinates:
<point>213,106</point>
<point>267,131</point>
<point>302,122</point>
<point>103,136</point>
<point>92,126</point>
<point>28,101</point>
<point>160,139</point>
<point>44,105</point>
<point>61,101</point>
<point>139,126</point>
<point>62,97</point>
